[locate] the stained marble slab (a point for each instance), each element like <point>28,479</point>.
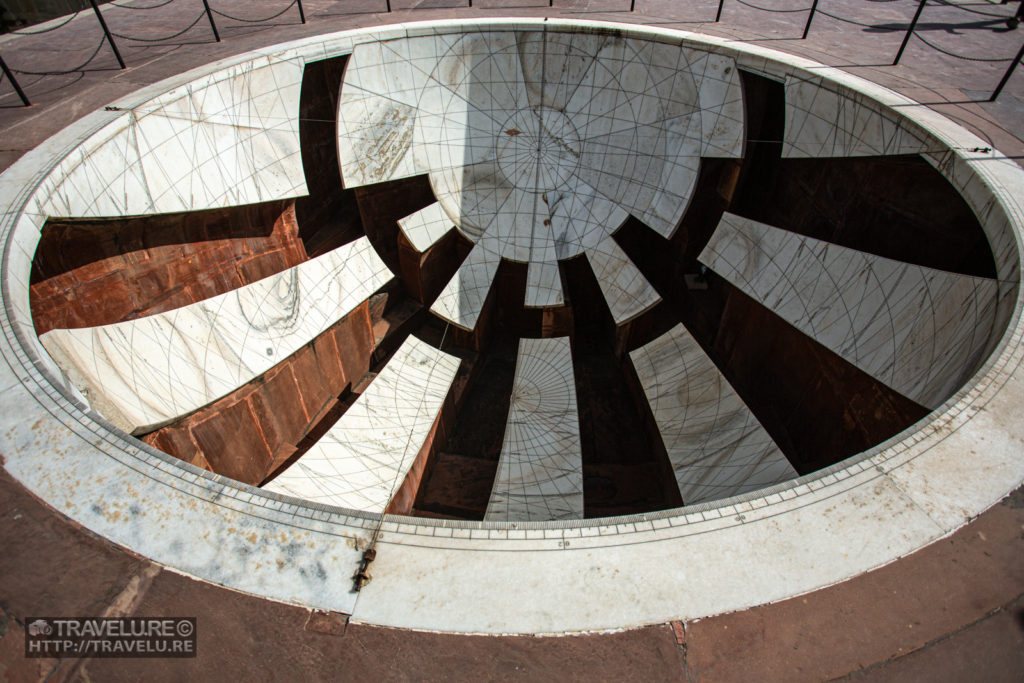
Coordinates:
<point>821,121</point>
<point>463,298</point>
<point>543,284</point>
<point>539,144</point>
<point>921,331</point>
<point>540,470</point>
<point>229,139</point>
<point>143,373</point>
<point>716,445</point>
<point>626,290</point>
<point>363,459</point>
<point>425,227</point>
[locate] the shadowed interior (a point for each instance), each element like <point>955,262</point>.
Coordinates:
<point>818,407</point>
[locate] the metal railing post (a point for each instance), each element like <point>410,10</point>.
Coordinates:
<point>14,82</point>
<point>106,32</point>
<point>810,18</point>
<point>910,32</point>
<point>1006,76</point>
<point>302,15</point>
<point>632,5</point>
<point>209,15</point>
<point>389,5</point>
<point>719,15</point>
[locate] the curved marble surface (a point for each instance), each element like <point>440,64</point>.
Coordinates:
<point>363,457</point>
<point>228,139</point>
<point>425,227</point>
<point>143,373</point>
<point>920,331</point>
<point>540,469</point>
<point>821,121</point>
<point>716,446</point>
<point>539,144</point>
<point>526,577</point>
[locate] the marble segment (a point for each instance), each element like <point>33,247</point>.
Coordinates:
<point>626,290</point>
<point>425,227</point>
<point>141,374</point>
<point>715,444</point>
<point>226,140</point>
<point>822,122</point>
<point>995,221</point>
<point>543,284</point>
<point>462,299</point>
<point>540,470</point>
<point>360,462</point>
<point>721,103</point>
<point>539,144</point>
<point>921,331</point>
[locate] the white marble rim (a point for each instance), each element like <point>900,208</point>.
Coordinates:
<point>922,468</point>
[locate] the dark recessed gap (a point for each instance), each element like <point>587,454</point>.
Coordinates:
<point>899,207</point>
<point>426,273</point>
<point>460,473</point>
<point>508,285</point>
<point>625,467</point>
<point>675,259</point>
<point>818,407</point>
<point>382,205</point>
<point>328,216</point>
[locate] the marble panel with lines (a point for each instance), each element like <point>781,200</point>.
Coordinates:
<point>363,459</point>
<point>539,144</point>
<point>715,444</point>
<point>425,227</point>
<point>540,471</point>
<point>229,139</point>
<point>463,298</point>
<point>143,373</point>
<point>821,121</point>
<point>921,331</point>
<point>626,290</point>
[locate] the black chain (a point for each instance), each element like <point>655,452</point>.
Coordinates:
<point>159,40</point>
<point>162,4</point>
<point>68,71</point>
<point>849,21</point>
<point>953,54</point>
<point>47,30</point>
<point>255,21</point>
<point>766,9</point>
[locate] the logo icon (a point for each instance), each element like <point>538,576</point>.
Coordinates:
<point>40,627</point>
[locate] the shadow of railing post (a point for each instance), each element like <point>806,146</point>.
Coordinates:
<point>810,18</point>
<point>14,82</point>
<point>209,15</point>
<point>1006,76</point>
<point>106,32</point>
<point>910,32</point>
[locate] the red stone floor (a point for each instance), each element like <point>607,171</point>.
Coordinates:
<point>953,611</point>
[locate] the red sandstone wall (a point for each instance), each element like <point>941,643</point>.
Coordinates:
<point>88,273</point>
<point>251,434</point>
